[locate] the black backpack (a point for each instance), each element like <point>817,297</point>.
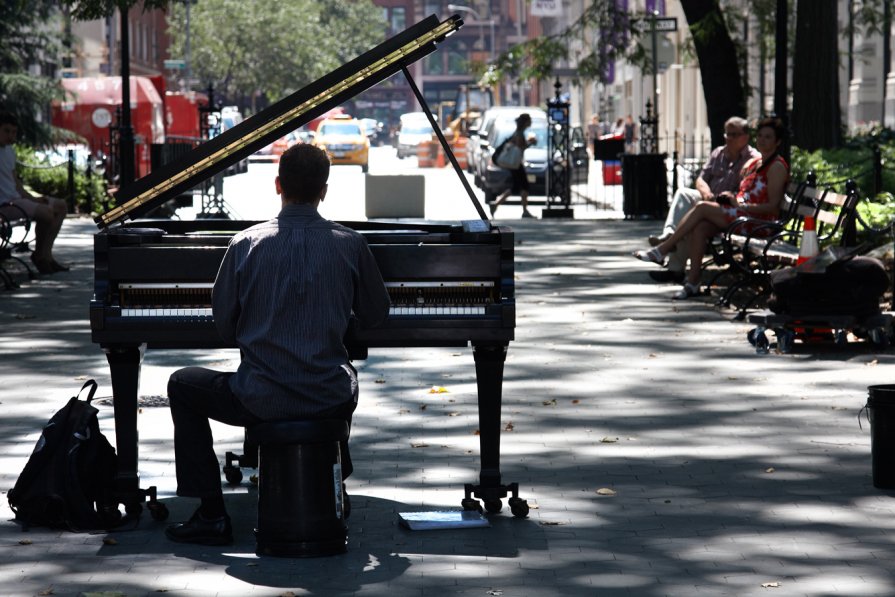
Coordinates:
<point>849,286</point>
<point>69,480</point>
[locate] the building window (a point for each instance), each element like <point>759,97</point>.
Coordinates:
<point>397,20</point>
<point>434,64</point>
<point>457,59</point>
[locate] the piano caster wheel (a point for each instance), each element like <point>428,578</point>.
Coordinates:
<point>493,506</point>
<point>471,505</point>
<point>519,507</point>
<point>158,511</point>
<point>233,475</point>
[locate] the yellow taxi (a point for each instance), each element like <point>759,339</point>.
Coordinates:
<point>344,139</point>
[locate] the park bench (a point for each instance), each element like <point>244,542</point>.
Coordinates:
<point>740,248</point>
<point>15,234</point>
<point>836,218</point>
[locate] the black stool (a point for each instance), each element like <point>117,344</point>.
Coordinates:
<point>301,511</point>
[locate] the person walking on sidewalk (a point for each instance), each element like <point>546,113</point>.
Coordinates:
<point>48,213</point>
<point>284,295</point>
<point>720,173</point>
<point>519,185</point>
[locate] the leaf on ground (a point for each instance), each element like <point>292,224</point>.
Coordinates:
<point>25,542</point>
<point>576,401</point>
<point>509,426</point>
<point>608,440</point>
<point>770,585</point>
<point>419,445</point>
<point>549,402</point>
<point>495,592</point>
<point>379,380</point>
<point>770,469</point>
<point>110,541</point>
<point>477,432</point>
<point>873,363</point>
<point>438,390</point>
<point>47,592</point>
<point>606,491</point>
<point>453,414</point>
<point>423,407</point>
<point>651,355</point>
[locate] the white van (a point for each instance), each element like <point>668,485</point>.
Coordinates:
<point>415,128</point>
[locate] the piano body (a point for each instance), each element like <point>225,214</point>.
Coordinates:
<point>451,284</point>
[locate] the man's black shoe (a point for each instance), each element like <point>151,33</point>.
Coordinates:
<point>201,531</point>
<point>667,275</point>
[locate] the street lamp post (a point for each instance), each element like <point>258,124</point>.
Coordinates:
<point>478,21</point>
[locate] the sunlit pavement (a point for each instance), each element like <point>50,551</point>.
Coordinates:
<point>660,454</point>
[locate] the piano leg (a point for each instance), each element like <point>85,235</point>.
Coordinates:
<point>124,366</point>
<point>489,360</point>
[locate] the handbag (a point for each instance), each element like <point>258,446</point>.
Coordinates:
<point>509,156</point>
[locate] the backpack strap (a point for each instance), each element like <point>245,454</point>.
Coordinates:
<point>91,383</point>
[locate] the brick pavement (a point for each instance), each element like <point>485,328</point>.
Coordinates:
<point>730,469</point>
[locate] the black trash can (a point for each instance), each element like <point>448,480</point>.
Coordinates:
<point>644,185</point>
<point>881,412</point>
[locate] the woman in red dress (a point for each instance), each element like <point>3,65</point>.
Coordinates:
<point>760,196</point>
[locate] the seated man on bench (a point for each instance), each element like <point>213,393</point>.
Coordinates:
<point>719,174</point>
<point>284,295</point>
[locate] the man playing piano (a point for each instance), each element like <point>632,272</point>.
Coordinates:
<point>284,294</point>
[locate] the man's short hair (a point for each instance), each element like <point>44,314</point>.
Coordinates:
<point>739,122</point>
<point>304,170</point>
<point>8,118</point>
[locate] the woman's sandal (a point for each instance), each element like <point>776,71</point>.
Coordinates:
<point>686,291</point>
<point>653,255</point>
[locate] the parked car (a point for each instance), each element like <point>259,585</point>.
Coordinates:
<point>344,139</point>
<point>478,141</point>
<point>230,117</point>
<point>496,180</point>
<point>415,128</point>
<point>375,131</point>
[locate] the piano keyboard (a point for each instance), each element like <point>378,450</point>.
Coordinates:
<point>394,311</point>
<point>409,299</point>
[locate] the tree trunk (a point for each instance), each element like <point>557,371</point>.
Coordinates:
<point>722,83</point>
<point>816,115</point>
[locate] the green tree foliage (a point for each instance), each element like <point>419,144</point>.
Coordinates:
<point>27,34</point>
<point>271,47</point>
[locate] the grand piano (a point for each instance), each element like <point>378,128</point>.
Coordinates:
<point>451,284</point>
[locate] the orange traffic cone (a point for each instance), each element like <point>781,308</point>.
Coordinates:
<point>808,248</point>
<point>439,160</point>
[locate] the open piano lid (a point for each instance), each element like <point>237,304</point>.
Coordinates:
<point>288,114</point>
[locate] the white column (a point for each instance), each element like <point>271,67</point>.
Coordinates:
<point>865,90</point>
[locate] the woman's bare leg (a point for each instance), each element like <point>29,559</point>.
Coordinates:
<point>700,235</point>
<point>704,211</point>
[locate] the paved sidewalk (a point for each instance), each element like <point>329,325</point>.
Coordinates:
<point>732,473</point>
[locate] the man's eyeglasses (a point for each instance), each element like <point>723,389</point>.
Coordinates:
<point>734,135</point>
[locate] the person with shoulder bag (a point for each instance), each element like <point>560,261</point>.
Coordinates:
<point>509,155</point>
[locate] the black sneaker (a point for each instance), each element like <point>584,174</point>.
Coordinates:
<point>667,275</point>
<point>202,532</point>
